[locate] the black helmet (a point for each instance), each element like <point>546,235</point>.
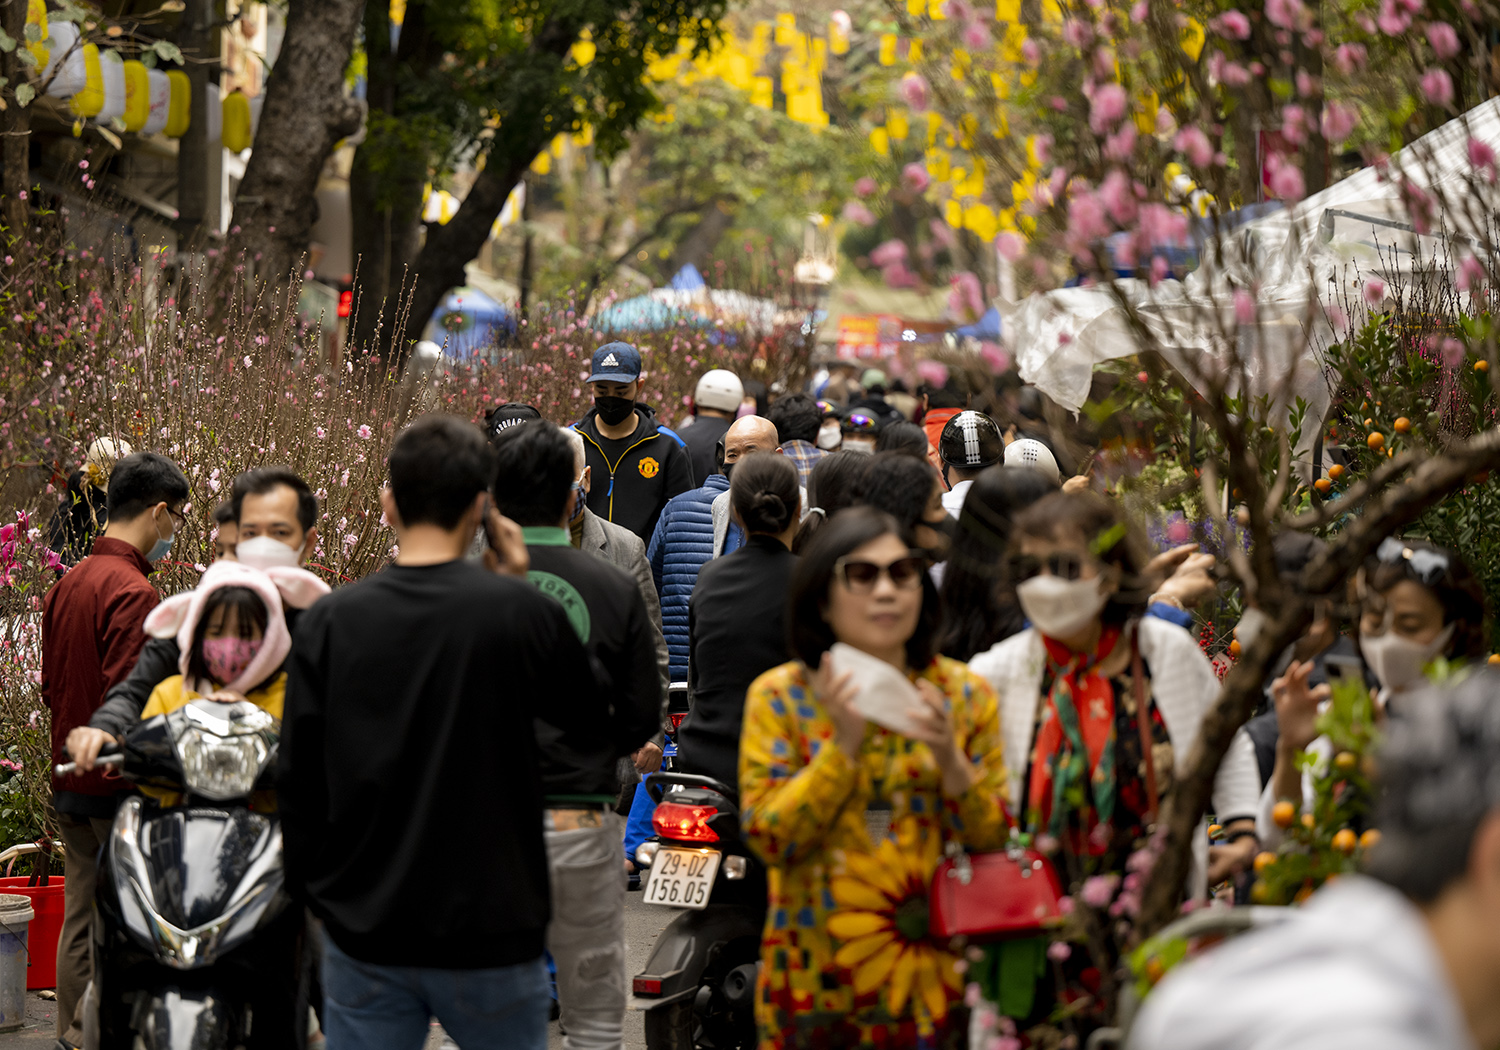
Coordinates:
<point>971,440</point>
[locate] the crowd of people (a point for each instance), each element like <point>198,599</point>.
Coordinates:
<point>497,692</point>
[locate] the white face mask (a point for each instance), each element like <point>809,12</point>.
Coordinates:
<point>264,552</point>
<point>1249,627</point>
<point>1061,608</point>
<point>1397,660</point>
<point>829,438</point>
<point>854,444</point>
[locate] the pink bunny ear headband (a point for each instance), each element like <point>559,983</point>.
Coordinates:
<point>178,615</point>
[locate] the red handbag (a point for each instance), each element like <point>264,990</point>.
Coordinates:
<point>993,896</point>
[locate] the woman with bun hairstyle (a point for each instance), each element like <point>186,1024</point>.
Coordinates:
<point>737,616</point>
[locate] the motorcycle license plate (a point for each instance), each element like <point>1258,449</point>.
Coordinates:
<point>682,878</point>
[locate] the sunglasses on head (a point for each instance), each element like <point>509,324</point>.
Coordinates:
<point>1062,564</point>
<point>1425,566</point>
<point>861,576</point>
<point>859,423</point>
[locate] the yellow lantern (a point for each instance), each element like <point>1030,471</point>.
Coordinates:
<point>36,15</point>
<point>887,49</point>
<point>180,105</point>
<point>762,92</point>
<point>236,126</point>
<point>137,95</point>
<point>89,99</point>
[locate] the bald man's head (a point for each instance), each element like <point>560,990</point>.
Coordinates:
<point>749,434</point>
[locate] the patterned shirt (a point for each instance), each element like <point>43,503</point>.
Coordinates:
<point>805,455</point>
<point>846,960</point>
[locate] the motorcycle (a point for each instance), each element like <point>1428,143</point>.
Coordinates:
<point>195,944</point>
<point>698,986</point>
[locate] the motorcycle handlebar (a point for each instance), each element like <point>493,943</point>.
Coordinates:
<point>109,755</point>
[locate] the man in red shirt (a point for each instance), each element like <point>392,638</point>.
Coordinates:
<point>92,631</point>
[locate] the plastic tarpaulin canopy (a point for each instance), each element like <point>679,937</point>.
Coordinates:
<point>468,322</point>
<point>987,327</point>
<point>1308,262</point>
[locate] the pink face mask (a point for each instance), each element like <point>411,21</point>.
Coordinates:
<point>227,658</point>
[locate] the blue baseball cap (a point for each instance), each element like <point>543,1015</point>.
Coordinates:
<point>616,363</point>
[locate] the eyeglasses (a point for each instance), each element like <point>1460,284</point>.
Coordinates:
<point>177,517</point>
<point>1065,565</point>
<point>860,577</point>
<point>1427,567</point>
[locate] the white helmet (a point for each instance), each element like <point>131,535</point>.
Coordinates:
<point>721,389</point>
<point>1028,452</point>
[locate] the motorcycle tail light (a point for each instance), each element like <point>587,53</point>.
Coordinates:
<point>646,986</point>
<point>684,823</point>
<point>677,717</point>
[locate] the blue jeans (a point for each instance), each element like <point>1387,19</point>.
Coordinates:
<point>391,1007</point>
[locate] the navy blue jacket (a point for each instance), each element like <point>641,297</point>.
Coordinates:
<point>682,543</point>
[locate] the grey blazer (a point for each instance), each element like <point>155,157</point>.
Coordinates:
<point>624,549</point>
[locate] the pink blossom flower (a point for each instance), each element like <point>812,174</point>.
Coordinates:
<point>1437,87</point>
<point>1138,11</point>
<point>1193,142</point>
<point>1294,124</point>
<point>1286,14</point>
<point>1349,57</point>
<point>966,300</point>
<point>1107,107</point>
<point>1065,905</point>
<point>1042,144</point>
<point>1077,33</point>
<point>1233,24</point>
<point>994,355</point>
<point>1453,352</point>
<point>1287,182</point>
<point>1374,291</point>
<point>914,92</point>
<point>934,373</point>
<point>1119,146</point>
<point>857,213</point>
<point>1116,195</point>
<point>1307,84</point>
<point>898,276</point>
<point>364,432</point>
<point>958,10</point>
<point>1031,52</point>
<point>1482,157</point>
<point>1058,951</point>
<point>892,251</point>
<point>1444,40</point>
<point>976,36</point>
<point>1471,274</point>
<point>865,187</point>
<point>915,177</point>
<point>1244,307</point>
<point>1099,890</point>
<point>1010,245</point>
<point>320,433</point>
<point>1338,121</point>
<point>1392,21</point>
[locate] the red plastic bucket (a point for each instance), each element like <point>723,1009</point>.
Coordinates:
<point>46,928</point>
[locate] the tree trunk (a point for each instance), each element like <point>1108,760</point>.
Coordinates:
<point>15,123</point>
<point>703,237</point>
<point>386,181</point>
<point>305,113</point>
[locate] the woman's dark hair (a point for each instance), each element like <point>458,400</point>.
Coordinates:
<point>1108,534</point>
<point>1457,589</point>
<point>765,493</point>
<point>904,437</point>
<point>834,484</point>
<point>979,598</point>
<point>900,485</point>
<point>250,615</point>
<point>808,633</point>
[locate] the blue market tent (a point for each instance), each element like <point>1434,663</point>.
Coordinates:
<point>986,329</point>
<point>688,279</point>
<point>469,323</point>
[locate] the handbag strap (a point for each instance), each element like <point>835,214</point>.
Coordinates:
<point>1143,722</point>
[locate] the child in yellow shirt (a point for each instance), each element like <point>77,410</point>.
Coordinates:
<point>232,634</point>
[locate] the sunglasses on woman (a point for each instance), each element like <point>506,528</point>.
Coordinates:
<point>860,577</point>
<point>1065,565</point>
<point>1425,566</point>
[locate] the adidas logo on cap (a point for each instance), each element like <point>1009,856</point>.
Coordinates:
<point>609,362</point>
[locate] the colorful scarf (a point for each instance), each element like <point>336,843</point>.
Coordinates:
<point>1075,742</point>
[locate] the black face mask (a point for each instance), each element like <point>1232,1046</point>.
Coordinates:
<point>614,410</point>
<point>948,529</point>
<point>726,468</point>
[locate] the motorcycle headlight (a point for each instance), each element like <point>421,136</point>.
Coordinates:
<point>220,768</point>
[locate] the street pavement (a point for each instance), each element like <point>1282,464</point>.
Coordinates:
<point>642,923</point>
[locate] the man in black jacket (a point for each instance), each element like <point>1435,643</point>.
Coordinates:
<point>409,737</point>
<point>535,487</point>
<point>279,514</point>
<point>637,465</point>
